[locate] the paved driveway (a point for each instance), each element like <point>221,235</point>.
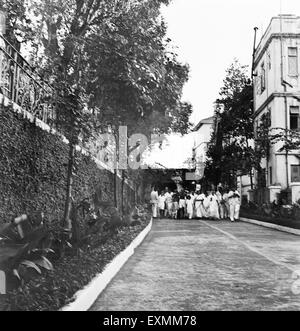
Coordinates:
<point>197,265</point>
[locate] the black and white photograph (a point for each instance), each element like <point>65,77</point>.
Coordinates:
<point>149,158</point>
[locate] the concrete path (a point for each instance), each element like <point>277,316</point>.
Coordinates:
<point>197,265</point>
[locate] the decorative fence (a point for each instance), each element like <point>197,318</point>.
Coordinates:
<point>20,84</point>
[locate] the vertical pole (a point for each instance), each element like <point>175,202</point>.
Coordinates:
<point>285,96</point>
<point>2,282</point>
<point>68,204</point>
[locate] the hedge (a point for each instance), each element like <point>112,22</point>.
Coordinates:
<point>294,224</point>
<point>33,168</point>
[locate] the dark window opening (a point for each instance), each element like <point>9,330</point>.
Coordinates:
<point>295,173</point>
<point>294,118</point>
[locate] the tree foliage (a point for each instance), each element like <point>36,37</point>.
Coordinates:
<point>18,24</point>
<point>230,149</point>
<point>290,139</point>
<point>110,63</point>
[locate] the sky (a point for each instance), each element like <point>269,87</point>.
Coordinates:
<point>209,35</point>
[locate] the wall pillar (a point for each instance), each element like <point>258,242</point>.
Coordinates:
<point>274,192</point>
<point>295,188</point>
<point>2,282</point>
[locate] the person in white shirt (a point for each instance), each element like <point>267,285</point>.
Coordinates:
<point>154,202</point>
<point>162,204</point>
<point>234,200</point>
<point>169,204</point>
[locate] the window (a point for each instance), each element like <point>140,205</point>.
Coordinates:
<point>295,173</point>
<point>263,78</point>
<point>294,118</point>
<point>293,61</point>
<point>271,175</point>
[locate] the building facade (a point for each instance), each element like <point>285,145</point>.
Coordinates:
<point>202,135</point>
<point>277,103</point>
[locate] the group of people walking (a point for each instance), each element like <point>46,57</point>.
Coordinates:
<point>217,205</point>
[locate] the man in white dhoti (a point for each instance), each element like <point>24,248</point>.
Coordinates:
<point>189,207</point>
<point>213,206</point>
<point>154,202</point>
<point>234,204</point>
<point>199,208</point>
<point>193,198</point>
<point>206,205</point>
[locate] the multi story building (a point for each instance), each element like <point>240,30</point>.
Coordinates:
<point>202,135</point>
<point>277,99</point>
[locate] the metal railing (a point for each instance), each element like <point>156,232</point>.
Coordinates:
<point>24,87</point>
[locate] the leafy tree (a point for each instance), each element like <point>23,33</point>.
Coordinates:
<point>18,24</point>
<point>109,63</point>
<point>230,149</point>
<point>289,138</point>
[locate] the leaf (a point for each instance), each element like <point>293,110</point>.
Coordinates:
<point>44,263</point>
<point>49,250</point>
<point>16,273</point>
<point>69,245</point>
<point>32,265</point>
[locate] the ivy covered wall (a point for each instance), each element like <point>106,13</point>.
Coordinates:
<point>33,168</point>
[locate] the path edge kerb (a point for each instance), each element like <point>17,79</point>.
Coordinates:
<point>85,298</point>
<point>271,226</point>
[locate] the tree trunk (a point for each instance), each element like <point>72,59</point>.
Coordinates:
<point>116,188</point>
<point>122,193</point>
<point>68,203</point>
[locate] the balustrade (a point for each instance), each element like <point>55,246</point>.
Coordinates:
<point>22,85</point>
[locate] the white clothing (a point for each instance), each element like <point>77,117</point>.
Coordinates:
<point>226,205</point>
<point>199,208</point>
<point>154,197</point>
<point>168,197</point>
<point>219,196</point>
<point>161,202</point>
<point>190,208</point>
<point>234,197</point>
<point>169,203</point>
<point>234,212</point>
<point>154,202</point>
<point>182,203</point>
<point>234,205</point>
<point>206,203</point>
<point>213,207</point>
